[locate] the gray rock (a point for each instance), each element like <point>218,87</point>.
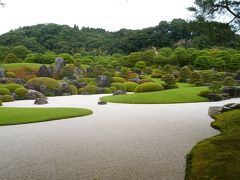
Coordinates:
<point>59,64</point>
<point>215,110</point>
<point>119,92</point>
<point>44,71</point>
<point>33,94</point>
<point>41,100</point>
<point>43,89</point>
<point>65,87</point>
<point>2,73</point>
<point>102,103</point>
<point>136,80</point>
<point>235,106</point>
<point>78,74</point>
<point>103,81</point>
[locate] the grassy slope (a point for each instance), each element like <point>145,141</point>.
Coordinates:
<point>218,157</point>
<point>11,116</point>
<point>180,95</point>
<point>19,65</point>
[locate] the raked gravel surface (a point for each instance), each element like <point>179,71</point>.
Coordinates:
<point>117,142</point>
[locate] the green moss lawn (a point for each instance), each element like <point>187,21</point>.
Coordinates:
<point>218,157</point>
<point>12,116</point>
<point>184,94</point>
<point>11,66</point>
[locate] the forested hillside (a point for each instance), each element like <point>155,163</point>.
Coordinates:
<point>65,39</point>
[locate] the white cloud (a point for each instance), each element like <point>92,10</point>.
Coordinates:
<point>108,14</point>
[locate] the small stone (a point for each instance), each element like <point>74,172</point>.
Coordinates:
<point>102,103</point>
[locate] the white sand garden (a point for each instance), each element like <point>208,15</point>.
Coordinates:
<point>118,141</point>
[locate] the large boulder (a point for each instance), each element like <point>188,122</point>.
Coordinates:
<point>103,81</point>
<point>78,74</point>
<point>44,71</point>
<point>119,92</point>
<point>41,100</point>
<point>33,94</point>
<point>2,73</point>
<point>59,64</point>
<point>233,91</point>
<point>215,110</point>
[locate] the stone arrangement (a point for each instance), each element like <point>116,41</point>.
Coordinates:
<point>214,110</point>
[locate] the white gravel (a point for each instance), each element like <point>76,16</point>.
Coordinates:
<point>117,142</point>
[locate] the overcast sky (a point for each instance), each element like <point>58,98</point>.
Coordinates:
<point>111,15</point>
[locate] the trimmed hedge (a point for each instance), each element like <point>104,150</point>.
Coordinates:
<point>21,92</point>
<point>4,91</point>
<point>73,90</point>
<point>118,80</point>
<point>91,89</point>
<point>7,98</point>
<point>50,83</point>
<point>119,86</point>
<point>107,90</point>
<point>205,93</point>
<point>148,87</point>
<point>146,81</point>
<point>131,86</point>
<point>0,103</point>
<point>12,87</point>
<point>10,74</point>
<point>80,90</point>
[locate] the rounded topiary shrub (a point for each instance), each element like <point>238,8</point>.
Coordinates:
<point>131,86</point>
<point>12,87</point>
<point>107,90</point>
<point>21,92</point>
<point>146,81</point>
<point>205,93</point>
<point>80,90</point>
<point>73,90</point>
<point>7,98</point>
<point>148,87</point>
<point>4,91</point>
<point>50,83</point>
<point>113,88</point>
<point>91,89</point>
<point>10,74</point>
<point>119,86</point>
<point>118,80</point>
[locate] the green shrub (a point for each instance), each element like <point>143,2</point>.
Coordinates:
<point>118,80</point>
<point>107,90</point>
<point>4,91</point>
<point>215,86</point>
<point>229,81</point>
<point>171,86</point>
<point>50,83</point>
<point>10,74</point>
<point>12,87</point>
<point>21,92</point>
<point>131,86</point>
<point>80,90</point>
<point>205,93</point>
<point>119,86</point>
<point>7,98</point>
<point>169,79</point>
<point>1,98</point>
<point>156,75</point>
<point>148,87</point>
<point>195,77</point>
<point>73,90</point>
<point>0,103</point>
<point>146,81</point>
<point>113,88</point>
<point>91,89</point>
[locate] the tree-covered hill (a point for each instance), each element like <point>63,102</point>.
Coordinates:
<point>65,39</point>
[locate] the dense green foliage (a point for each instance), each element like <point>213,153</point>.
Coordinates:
<point>131,86</point>
<point>181,95</point>
<point>11,116</point>
<point>7,98</point>
<point>148,87</point>
<point>119,86</point>
<point>4,91</point>
<point>12,87</point>
<point>218,157</point>
<point>48,82</point>
<point>64,39</point>
<point>21,92</point>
